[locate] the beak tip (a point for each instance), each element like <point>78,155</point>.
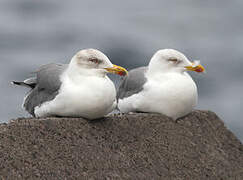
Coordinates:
<point>118,70</point>
<point>122,73</point>
<point>198,68</point>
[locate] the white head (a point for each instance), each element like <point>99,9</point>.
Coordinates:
<point>94,62</point>
<point>170,60</point>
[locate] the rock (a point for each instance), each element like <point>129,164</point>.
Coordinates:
<point>132,146</point>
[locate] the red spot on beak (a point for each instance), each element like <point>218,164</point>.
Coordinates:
<point>199,69</point>
<point>121,73</point>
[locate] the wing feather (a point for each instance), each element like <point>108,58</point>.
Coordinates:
<point>47,86</point>
<point>133,83</point>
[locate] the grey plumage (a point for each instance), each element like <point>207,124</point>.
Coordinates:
<point>30,83</point>
<point>45,85</point>
<point>133,83</point>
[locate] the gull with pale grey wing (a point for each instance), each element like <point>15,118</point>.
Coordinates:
<point>163,86</point>
<point>78,89</point>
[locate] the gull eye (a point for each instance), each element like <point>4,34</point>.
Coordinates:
<point>94,60</point>
<point>174,60</point>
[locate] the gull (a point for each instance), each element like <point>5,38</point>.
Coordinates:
<point>78,89</point>
<point>162,87</point>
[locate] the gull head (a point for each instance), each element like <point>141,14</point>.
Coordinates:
<point>92,61</point>
<point>170,60</point>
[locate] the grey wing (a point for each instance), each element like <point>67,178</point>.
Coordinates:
<point>29,83</point>
<point>133,83</point>
<point>47,84</point>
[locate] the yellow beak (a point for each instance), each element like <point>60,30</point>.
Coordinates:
<point>198,68</point>
<point>117,70</point>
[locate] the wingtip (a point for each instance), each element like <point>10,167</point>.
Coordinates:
<point>15,83</point>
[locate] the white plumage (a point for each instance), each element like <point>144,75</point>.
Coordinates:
<point>95,98</point>
<point>79,89</point>
<point>166,88</point>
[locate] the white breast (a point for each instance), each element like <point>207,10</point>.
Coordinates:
<point>173,95</point>
<point>90,97</point>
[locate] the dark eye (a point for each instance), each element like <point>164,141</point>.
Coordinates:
<point>174,60</point>
<point>94,60</point>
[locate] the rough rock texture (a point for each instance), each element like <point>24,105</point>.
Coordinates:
<point>137,146</point>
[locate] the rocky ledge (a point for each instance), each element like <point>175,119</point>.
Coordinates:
<point>132,146</point>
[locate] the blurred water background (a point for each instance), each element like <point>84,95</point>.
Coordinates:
<point>33,33</point>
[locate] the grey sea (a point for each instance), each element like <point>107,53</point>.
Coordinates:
<point>33,33</point>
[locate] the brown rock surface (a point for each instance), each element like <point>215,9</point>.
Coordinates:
<point>137,146</point>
